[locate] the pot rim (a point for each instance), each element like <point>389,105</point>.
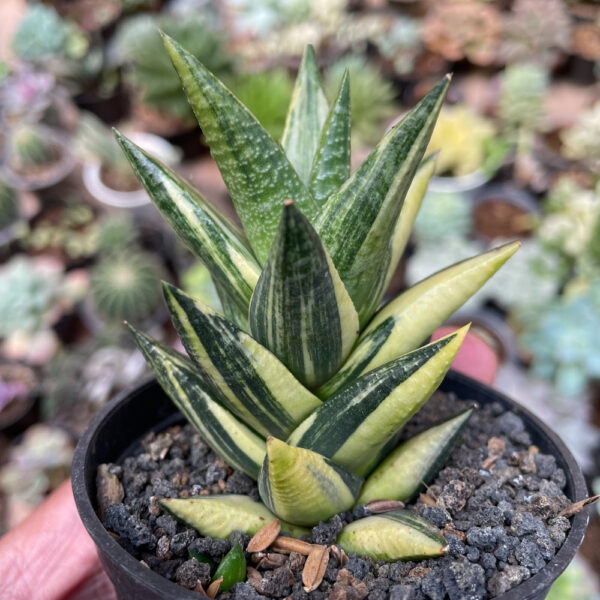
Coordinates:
<point>525,590</point>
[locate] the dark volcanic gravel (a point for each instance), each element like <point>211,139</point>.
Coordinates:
<point>499,517</point>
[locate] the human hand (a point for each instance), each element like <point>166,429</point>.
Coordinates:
<point>50,556</point>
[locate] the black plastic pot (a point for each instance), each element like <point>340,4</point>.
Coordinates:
<point>113,432</point>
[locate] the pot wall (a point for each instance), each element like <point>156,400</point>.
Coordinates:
<point>135,412</point>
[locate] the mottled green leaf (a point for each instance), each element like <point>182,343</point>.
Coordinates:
<point>414,462</point>
<point>413,316</point>
<point>258,174</point>
<point>358,222</point>
<point>237,371</point>
<point>306,115</point>
<point>304,487</point>
<point>408,214</point>
<point>357,422</point>
<point>392,536</point>
<point>331,165</point>
<point>233,441</point>
<point>207,232</point>
<point>300,309</point>
<point>219,516</point>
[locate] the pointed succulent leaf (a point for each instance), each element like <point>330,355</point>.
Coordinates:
<point>392,536</point>
<point>233,441</point>
<point>258,174</point>
<point>306,115</point>
<point>413,316</point>
<point>415,462</point>
<point>232,568</point>
<point>237,371</point>
<point>408,214</point>
<point>331,165</point>
<point>219,516</point>
<point>357,222</point>
<point>207,232</point>
<point>357,422</point>
<point>300,308</point>
<point>302,486</point>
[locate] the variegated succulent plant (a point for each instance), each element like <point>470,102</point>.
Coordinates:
<point>305,382</point>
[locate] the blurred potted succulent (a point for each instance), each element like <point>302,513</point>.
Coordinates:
<point>459,30</point>
<point>156,87</point>
<point>537,31</point>
<point>34,156</point>
<point>67,232</point>
<point>289,341</point>
<point>106,174</point>
<point>580,142</point>
<point>58,46</point>
<point>561,337</point>
<point>469,150</point>
<point>521,110</point>
<point>34,295</point>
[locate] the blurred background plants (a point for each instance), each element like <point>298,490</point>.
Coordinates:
<point>523,114</point>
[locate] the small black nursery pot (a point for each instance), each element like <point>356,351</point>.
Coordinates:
<point>114,431</point>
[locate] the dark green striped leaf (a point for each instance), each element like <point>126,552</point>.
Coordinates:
<point>300,309</point>
<point>306,115</point>
<point>207,232</point>
<point>415,462</point>
<point>395,535</point>
<point>258,174</point>
<point>304,487</point>
<point>357,422</point>
<point>233,441</point>
<point>219,516</point>
<point>413,316</point>
<point>406,219</point>
<point>331,165</point>
<point>237,371</point>
<point>358,222</point>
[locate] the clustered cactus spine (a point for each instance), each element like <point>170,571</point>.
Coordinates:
<point>306,382</point>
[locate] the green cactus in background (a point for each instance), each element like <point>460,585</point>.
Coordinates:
<point>115,234</point>
<point>371,96</point>
<point>522,96</point>
<point>125,286</point>
<point>305,382</point>
<point>267,95</point>
<point>29,148</point>
<point>137,44</point>
<point>8,205</point>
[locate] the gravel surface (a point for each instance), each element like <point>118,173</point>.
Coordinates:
<point>496,500</point>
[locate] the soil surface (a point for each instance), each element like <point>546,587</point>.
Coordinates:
<point>496,501</point>
<point>497,218</point>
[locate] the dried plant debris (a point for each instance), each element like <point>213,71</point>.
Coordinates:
<point>314,568</point>
<point>265,537</point>
<point>576,507</point>
<point>502,524</point>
